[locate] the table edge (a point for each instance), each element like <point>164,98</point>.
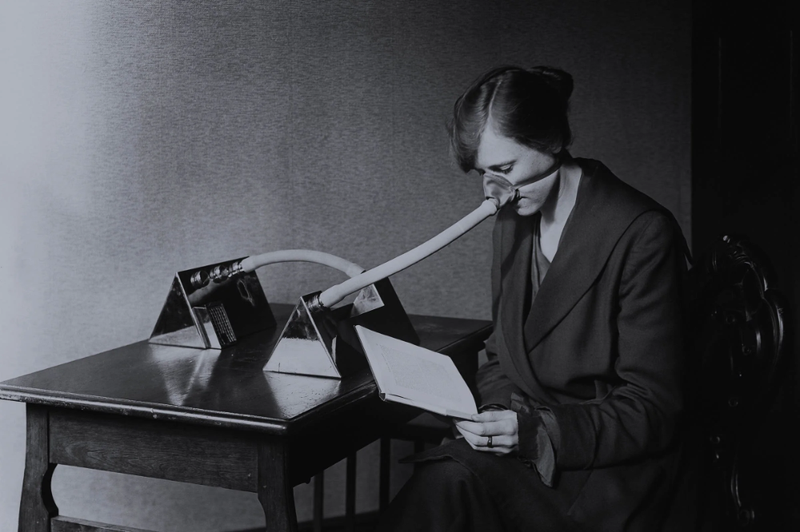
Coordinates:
<point>209,417</point>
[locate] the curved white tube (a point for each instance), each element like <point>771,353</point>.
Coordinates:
<point>301,255</point>
<point>336,293</point>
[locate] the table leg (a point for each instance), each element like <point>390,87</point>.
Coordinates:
<point>37,505</point>
<point>275,491</point>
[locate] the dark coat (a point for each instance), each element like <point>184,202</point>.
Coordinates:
<point>600,352</point>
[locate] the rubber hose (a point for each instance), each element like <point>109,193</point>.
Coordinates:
<point>336,293</point>
<point>302,255</point>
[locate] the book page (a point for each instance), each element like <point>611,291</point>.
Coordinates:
<point>414,375</point>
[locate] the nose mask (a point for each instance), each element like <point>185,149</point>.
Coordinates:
<point>502,190</point>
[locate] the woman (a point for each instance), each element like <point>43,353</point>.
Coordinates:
<point>581,397</point>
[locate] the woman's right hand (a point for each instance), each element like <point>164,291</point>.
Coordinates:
<point>493,431</point>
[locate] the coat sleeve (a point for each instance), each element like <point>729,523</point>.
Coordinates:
<point>638,416</point>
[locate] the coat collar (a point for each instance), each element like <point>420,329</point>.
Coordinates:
<point>604,209</point>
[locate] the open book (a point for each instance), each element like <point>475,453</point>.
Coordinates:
<point>412,375</point>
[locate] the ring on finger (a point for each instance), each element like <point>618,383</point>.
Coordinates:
<point>489,443</point>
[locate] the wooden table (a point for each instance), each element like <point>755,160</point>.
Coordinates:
<point>206,417</point>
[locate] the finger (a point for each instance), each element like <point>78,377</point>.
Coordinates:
<point>493,415</point>
<point>470,438</point>
<point>475,428</point>
<point>505,426</point>
<point>501,444</point>
<point>474,440</point>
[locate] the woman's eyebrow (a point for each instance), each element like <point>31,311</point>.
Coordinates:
<point>496,167</point>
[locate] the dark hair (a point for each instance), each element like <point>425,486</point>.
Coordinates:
<point>529,106</point>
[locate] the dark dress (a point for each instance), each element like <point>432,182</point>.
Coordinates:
<point>593,364</point>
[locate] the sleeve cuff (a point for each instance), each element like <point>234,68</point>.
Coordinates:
<point>536,448</point>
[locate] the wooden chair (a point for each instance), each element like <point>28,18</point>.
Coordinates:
<point>737,327</point>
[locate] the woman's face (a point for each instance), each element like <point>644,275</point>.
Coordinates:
<point>504,157</point>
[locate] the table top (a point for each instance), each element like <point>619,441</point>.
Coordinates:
<point>225,388</point>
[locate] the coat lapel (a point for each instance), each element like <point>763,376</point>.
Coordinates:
<point>516,251</point>
<point>600,217</point>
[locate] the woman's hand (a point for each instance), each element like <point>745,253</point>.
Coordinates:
<point>494,431</point>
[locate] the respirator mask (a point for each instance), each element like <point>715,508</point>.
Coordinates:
<point>504,192</point>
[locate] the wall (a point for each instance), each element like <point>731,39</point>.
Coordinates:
<point>142,138</point>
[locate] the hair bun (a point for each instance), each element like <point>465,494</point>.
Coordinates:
<point>556,78</point>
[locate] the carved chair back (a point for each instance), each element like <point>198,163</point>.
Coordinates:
<point>738,343</point>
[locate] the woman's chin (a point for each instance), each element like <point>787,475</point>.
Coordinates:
<point>527,208</point>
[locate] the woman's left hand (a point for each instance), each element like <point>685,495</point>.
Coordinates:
<point>494,431</point>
